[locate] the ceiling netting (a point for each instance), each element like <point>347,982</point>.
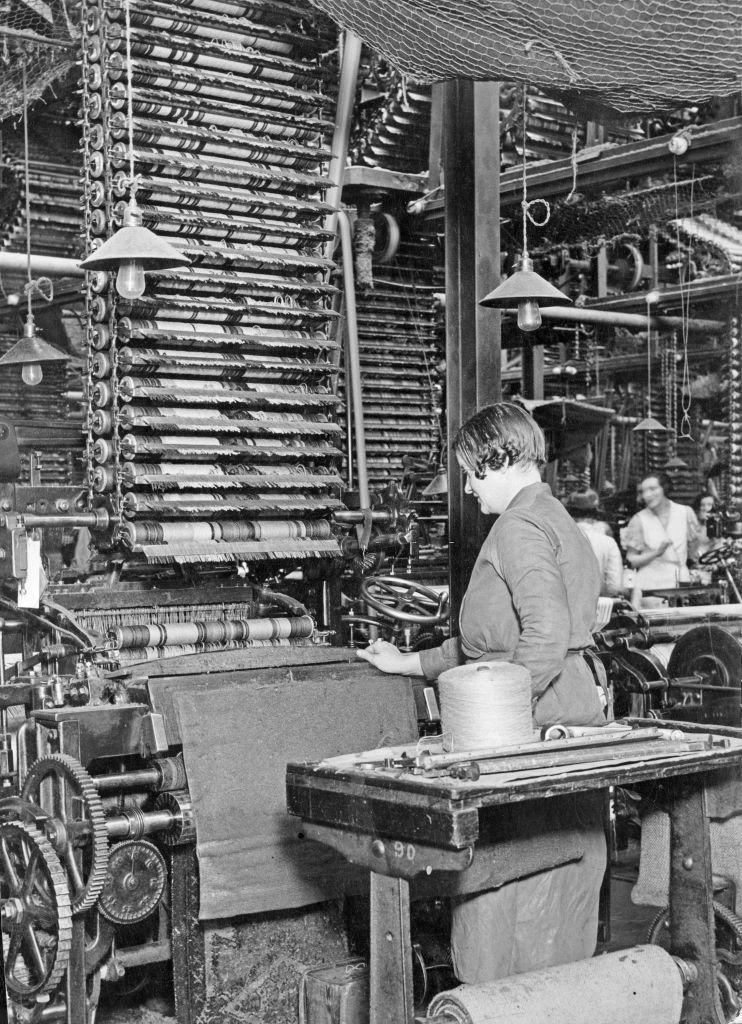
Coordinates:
<point>632,56</point>
<point>41,36</point>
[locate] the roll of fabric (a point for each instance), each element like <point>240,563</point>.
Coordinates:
<point>486,704</point>
<point>215,631</point>
<point>638,984</point>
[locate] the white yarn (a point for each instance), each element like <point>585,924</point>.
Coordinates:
<point>487,704</point>
<point>662,652</point>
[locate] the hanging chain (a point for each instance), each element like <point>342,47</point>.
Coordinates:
<point>88,20</point>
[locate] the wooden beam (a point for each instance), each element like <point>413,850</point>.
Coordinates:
<point>471,154</point>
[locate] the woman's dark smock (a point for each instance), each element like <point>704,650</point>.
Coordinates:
<point>532,599</point>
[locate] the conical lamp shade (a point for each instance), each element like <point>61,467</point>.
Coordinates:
<point>438,485</point>
<point>676,463</point>
<point>650,423</point>
<point>524,285</point>
<point>134,242</point>
<point>32,349</point>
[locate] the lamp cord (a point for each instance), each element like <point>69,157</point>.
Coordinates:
<point>525,204</point>
<point>129,99</point>
<point>27,172</point>
<point>649,362</point>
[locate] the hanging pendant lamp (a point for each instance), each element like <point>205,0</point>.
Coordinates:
<point>649,423</point>
<point>525,288</point>
<point>133,249</point>
<point>31,351</point>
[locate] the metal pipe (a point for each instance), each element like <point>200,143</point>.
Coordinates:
<point>353,358</point>
<point>97,520</point>
<point>351,59</point>
<point>349,515</point>
<point>140,778</point>
<point>575,314</point>
<point>123,825</point>
<point>51,266</point>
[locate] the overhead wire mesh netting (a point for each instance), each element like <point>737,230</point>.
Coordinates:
<point>40,35</point>
<point>637,57</point>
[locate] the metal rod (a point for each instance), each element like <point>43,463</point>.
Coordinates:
<point>138,779</point>
<point>351,59</point>
<point>122,826</point>
<point>572,314</point>
<point>49,265</point>
<point>97,520</point>
<point>353,357</point>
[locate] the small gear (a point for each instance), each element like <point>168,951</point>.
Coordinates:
<point>183,829</point>
<point>35,912</point>
<point>137,875</point>
<point>66,792</point>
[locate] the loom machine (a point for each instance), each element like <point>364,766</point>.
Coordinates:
<point>212,542</point>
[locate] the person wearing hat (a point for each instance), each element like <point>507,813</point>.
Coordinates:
<point>590,517</point>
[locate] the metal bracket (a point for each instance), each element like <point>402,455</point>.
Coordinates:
<point>393,857</point>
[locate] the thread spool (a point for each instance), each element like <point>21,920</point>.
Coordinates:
<point>485,705</point>
<point>638,984</point>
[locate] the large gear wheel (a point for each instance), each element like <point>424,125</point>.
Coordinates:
<point>35,912</point>
<point>65,791</point>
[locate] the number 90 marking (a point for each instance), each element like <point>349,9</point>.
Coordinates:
<point>404,851</point>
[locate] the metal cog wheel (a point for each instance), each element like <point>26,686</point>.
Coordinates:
<point>61,786</point>
<point>137,876</point>
<point>35,912</point>
<point>183,829</point>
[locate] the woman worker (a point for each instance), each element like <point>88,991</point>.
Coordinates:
<point>531,600</point>
<point>659,539</point>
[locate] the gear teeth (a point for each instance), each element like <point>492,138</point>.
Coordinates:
<point>58,878</point>
<point>183,830</point>
<point>50,764</point>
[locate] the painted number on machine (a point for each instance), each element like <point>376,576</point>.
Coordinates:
<point>404,851</point>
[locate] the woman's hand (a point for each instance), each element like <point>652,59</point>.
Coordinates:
<point>388,658</point>
<point>663,547</point>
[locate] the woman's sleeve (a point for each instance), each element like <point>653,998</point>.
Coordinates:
<point>613,579</point>
<point>632,536</point>
<point>529,567</point>
<point>438,659</point>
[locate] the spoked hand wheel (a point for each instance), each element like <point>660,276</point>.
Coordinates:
<point>405,600</point>
<point>35,912</point>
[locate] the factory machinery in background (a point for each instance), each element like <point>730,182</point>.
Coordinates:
<point>212,542</point>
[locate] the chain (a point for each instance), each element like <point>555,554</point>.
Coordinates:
<point>88,22</point>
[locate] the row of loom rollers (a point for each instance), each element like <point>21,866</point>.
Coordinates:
<point>229,139</point>
<point>405,432</point>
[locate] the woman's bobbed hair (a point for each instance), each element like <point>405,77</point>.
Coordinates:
<point>499,435</point>
<point>662,479</point>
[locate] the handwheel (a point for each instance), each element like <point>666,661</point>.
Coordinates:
<point>65,791</point>
<point>405,600</point>
<point>717,555</point>
<point>35,912</point>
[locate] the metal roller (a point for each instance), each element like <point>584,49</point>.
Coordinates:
<point>220,399</point>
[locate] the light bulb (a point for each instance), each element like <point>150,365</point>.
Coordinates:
<point>529,315</point>
<point>32,374</point>
<point>130,279</point>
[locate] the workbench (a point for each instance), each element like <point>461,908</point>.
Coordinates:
<point>400,825</point>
